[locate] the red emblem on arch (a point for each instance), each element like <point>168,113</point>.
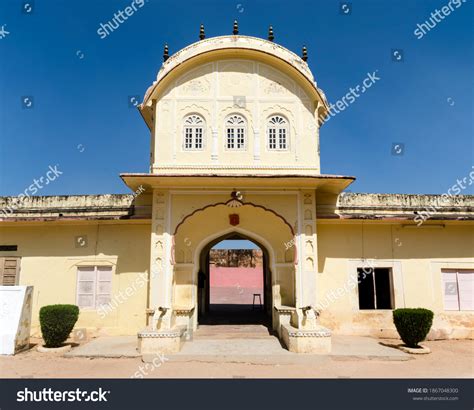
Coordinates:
<point>234,219</point>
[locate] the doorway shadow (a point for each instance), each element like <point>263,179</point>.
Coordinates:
<point>220,314</point>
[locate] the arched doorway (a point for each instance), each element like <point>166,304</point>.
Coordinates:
<point>236,295</point>
<point>198,231</point>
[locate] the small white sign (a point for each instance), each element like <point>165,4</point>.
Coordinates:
<point>15,318</point>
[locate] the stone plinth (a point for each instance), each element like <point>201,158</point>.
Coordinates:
<point>161,341</point>
<point>315,341</point>
<point>283,317</point>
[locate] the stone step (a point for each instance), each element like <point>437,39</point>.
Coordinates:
<point>232,332</point>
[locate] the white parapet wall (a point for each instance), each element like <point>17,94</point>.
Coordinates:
<point>15,318</point>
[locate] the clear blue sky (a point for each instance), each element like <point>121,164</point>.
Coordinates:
<point>235,244</point>
<point>80,84</point>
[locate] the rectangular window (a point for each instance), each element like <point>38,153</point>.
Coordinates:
<point>193,138</point>
<point>240,138</point>
<point>272,138</point>
<point>8,248</point>
<point>94,286</point>
<point>282,138</point>
<point>375,288</point>
<point>188,138</point>
<point>198,138</point>
<point>458,289</point>
<point>230,138</point>
<point>9,271</point>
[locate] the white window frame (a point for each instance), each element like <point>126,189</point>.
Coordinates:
<point>236,124</point>
<point>95,287</point>
<point>457,272</point>
<point>278,124</point>
<point>196,126</point>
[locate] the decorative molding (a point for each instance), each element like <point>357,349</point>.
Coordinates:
<point>193,109</point>
<point>225,203</point>
<point>160,334</point>
<point>274,87</point>
<point>196,87</point>
<point>234,42</point>
<point>322,332</point>
<point>287,310</point>
<point>183,311</point>
<point>237,167</point>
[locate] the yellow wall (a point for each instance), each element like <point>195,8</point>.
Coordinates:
<point>416,256</point>
<point>49,260</point>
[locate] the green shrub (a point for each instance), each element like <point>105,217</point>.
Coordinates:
<point>413,324</point>
<point>57,322</point>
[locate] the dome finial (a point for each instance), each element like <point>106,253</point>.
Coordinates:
<point>166,53</point>
<point>304,57</point>
<point>236,28</point>
<point>202,35</point>
<point>271,37</point>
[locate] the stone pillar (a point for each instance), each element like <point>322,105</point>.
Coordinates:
<point>303,334</point>
<point>163,336</point>
<point>308,250</point>
<point>215,145</point>
<point>160,263</point>
<point>256,145</point>
<point>305,275</point>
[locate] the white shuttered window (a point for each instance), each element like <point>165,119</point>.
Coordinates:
<point>193,132</point>
<point>94,286</point>
<point>277,133</point>
<point>458,289</point>
<point>236,129</point>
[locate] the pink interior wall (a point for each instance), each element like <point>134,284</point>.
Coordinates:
<point>235,285</point>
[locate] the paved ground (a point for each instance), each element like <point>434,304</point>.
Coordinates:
<point>236,355</point>
<point>238,343</point>
<point>111,347</point>
<point>241,347</point>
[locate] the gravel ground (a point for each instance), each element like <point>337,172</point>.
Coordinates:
<point>449,359</point>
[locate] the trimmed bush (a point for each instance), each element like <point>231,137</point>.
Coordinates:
<point>57,322</point>
<point>413,325</point>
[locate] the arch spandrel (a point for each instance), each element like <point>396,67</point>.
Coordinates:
<point>204,223</point>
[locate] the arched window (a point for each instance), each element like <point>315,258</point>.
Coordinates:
<point>193,132</point>
<point>277,133</point>
<point>235,131</point>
